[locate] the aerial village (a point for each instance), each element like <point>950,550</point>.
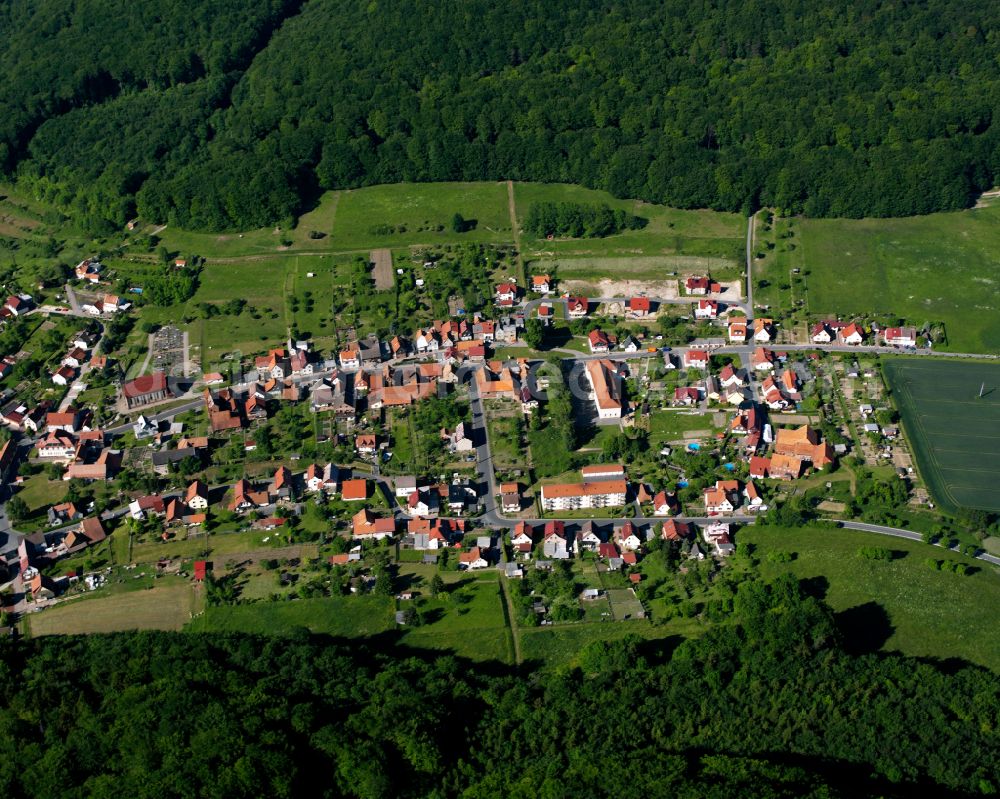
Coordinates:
<point>730,423</point>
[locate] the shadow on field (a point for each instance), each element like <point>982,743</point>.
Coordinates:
<point>865,628</point>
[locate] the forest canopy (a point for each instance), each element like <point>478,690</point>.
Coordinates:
<point>225,114</point>
<point>768,706</point>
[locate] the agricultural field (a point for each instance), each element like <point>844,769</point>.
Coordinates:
<point>405,214</point>
<point>346,616</point>
<point>941,267</point>
<point>954,433</point>
<point>165,605</point>
<point>896,605</point>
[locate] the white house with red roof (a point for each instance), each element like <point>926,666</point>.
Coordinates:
<point>664,504</point>
<point>695,359</point>
<point>506,293</point>
<point>852,334</point>
<point>638,307</point>
<point>706,309</point>
<point>900,336</point>
<point>820,333</point>
<point>702,285</point>
<point>541,283</point>
<point>762,360</point>
<point>598,341</point>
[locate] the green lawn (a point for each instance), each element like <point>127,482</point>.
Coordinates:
<point>670,425</point>
<point>939,267</point>
<point>776,285</point>
<point>469,621</point>
<point>901,604</point>
<point>954,434</point>
<point>403,456</point>
<point>40,492</point>
<point>507,450</point>
<point>416,210</point>
<point>348,616</point>
<point>311,312</point>
<point>670,231</point>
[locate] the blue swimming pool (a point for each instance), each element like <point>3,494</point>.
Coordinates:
<point>682,483</point>
<point>694,446</point>
<point>729,467</point>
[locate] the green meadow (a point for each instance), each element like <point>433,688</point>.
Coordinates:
<point>898,605</point>
<point>941,267</point>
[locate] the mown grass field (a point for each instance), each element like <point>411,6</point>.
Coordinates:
<point>347,616</point>
<point>218,544</point>
<point>420,208</point>
<point>939,267</point>
<point>955,434</point>
<point>670,425</point>
<point>39,491</point>
<point>899,605</point>
<point>167,605</point>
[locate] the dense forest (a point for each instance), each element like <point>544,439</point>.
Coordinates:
<point>768,706</point>
<point>222,114</point>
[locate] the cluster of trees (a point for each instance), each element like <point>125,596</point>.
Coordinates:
<point>170,286</point>
<point>558,590</point>
<point>579,220</point>
<point>767,705</point>
<point>233,115</point>
<point>554,436</point>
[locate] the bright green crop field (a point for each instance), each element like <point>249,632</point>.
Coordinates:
<point>954,433</point>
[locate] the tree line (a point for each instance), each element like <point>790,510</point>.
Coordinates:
<point>230,115</point>
<point>578,220</point>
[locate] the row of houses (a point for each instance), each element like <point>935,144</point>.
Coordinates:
<point>852,333</point>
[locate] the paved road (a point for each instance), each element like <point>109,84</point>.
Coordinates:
<point>484,456</point>
<point>910,535</point>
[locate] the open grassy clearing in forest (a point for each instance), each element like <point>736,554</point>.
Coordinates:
<point>954,433</point>
<point>166,606</point>
<point>402,214</point>
<point>942,267</point>
<point>896,605</point>
<point>669,231</point>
